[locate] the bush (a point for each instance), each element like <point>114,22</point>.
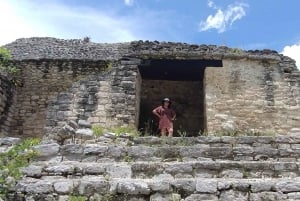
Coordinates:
<point>12,161</point>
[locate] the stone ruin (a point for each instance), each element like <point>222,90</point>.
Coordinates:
<point>73,84</point>
<point>213,88</point>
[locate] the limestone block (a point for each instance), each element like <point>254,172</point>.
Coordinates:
<point>84,133</point>
<point>186,186</point>
<point>231,174</point>
<point>288,186</point>
<point>179,168</point>
<point>90,185</point>
<point>94,169</point>
<point>261,186</point>
<point>270,196</point>
<point>160,186</point>
<point>233,196</point>
<point>165,197</point>
<point>39,187</point>
<point>84,124</point>
<point>47,150</point>
<point>133,188</point>
<point>95,149</point>
<point>32,171</point>
<point>119,171</point>
<point>64,187</point>
<point>201,197</point>
<point>140,152</point>
<point>60,169</point>
<point>9,141</point>
<point>206,186</point>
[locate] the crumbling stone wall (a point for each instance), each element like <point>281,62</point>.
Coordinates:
<point>65,79</point>
<point>42,81</point>
<point>6,103</point>
<point>247,94</point>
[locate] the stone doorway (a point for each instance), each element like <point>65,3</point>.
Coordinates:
<point>183,82</point>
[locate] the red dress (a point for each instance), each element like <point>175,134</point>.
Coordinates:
<point>166,116</point>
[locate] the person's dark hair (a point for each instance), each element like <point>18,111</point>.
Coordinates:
<point>166,100</point>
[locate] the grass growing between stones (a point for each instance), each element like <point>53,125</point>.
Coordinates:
<point>12,161</point>
<point>118,131</point>
<point>98,130</point>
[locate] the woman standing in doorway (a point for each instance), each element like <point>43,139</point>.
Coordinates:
<point>166,117</point>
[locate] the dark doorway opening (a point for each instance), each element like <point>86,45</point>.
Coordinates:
<point>183,82</point>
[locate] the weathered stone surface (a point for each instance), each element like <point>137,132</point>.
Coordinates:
<point>39,187</point>
<point>201,197</point>
<point>32,171</point>
<point>288,186</point>
<point>160,186</point>
<point>231,174</point>
<point>165,197</point>
<point>233,196</point>
<point>64,187</point>
<point>85,134</point>
<point>90,185</point>
<point>9,141</point>
<point>206,186</point>
<point>133,188</point>
<point>119,171</point>
<point>270,196</point>
<point>47,150</point>
<point>141,152</point>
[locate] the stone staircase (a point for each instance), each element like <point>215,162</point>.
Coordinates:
<point>225,168</point>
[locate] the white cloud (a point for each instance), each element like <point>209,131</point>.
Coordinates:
<point>129,2</point>
<point>293,52</point>
<point>52,18</point>
<point>223,19</point>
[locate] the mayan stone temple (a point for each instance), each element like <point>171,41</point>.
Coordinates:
<point>236,133</point>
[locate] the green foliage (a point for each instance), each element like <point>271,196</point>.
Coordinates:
<point>98,130</point>
<point>125,129</point>
<point>77,198</point>
<point>6,67</point>
<point>236,51</point>
<point>108,65</point>
<point>12,161</point>
<point>108,197</point>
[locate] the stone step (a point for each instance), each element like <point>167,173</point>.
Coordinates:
<point>122,150</point>
<point>163,188</point>
<point>148,170</point>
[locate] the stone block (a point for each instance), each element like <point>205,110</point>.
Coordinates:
<point>206,186</point>
<point>133,188</point>
<point>64,187</point>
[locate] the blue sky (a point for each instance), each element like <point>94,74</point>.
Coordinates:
<point>245,24</point>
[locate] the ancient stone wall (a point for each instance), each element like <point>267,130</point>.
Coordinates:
<point>255,168</point>
<point>247,95</point>
<point>6,103</point>
<point>66,79</point>
<point>43,81</point>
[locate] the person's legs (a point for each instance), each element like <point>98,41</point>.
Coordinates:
<point>170,131</point>
<point>163,132</point>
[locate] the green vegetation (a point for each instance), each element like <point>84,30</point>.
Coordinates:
<point>6,67</point>
<point>108,65</point>
<point>98,130</point>
<point>12,161</point>
<point>77,198</point>
<point>236,51</point>
<point>125,129</point>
